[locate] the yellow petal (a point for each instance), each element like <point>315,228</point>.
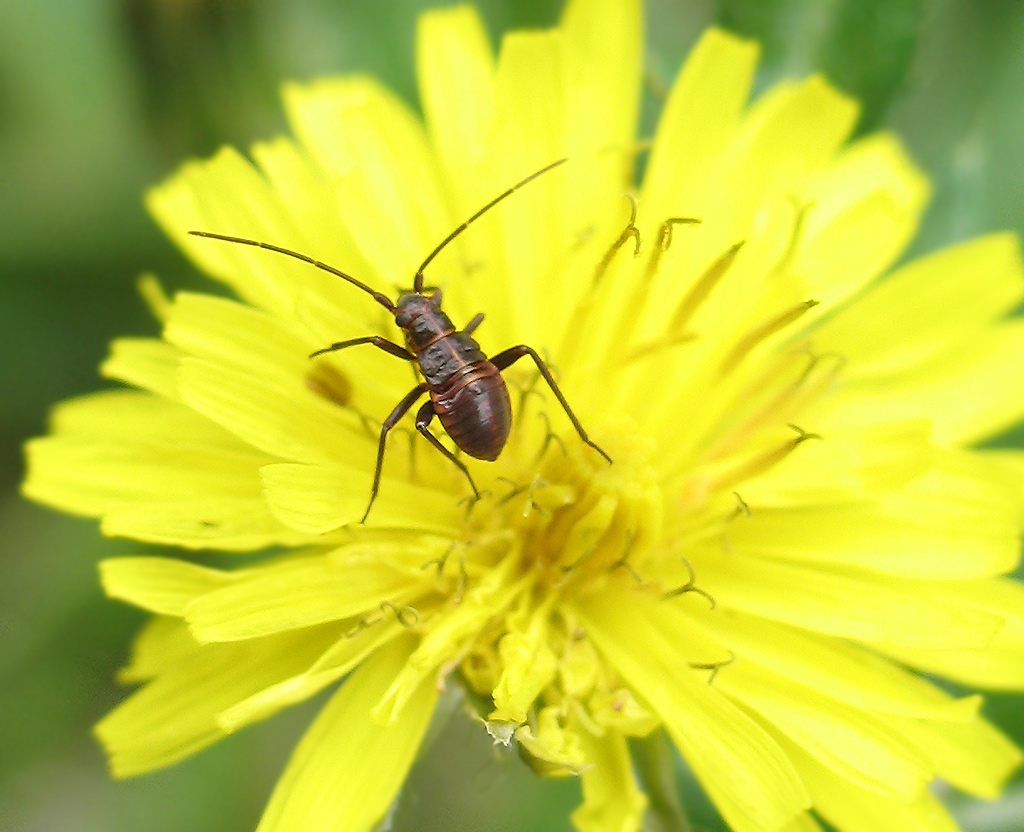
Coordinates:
<point>448,637</point>
<point>786,139</point>
<point>927,305</point>
<point>974,756</point>
<point>746,774</point>
<point>227,195</point>
<point>803,823</point>
<point>162,643</point>
<point>789,135</point>
<point>315,205</point>
<point>219,329</point>
<point>578,667</point>
<point>153,295</point>
<point>620,711</point>
<point>893,611</point>
<point>954,521</point>
<point>175,715</point>
<point>833,665</point>
<point>611,800</point>
<point>699,118</point>
<point>274,353</point>
<point>319,498</point>
<point>966,390</point>
<point>999,662</point>
<point>91,476</point>
<point>135,417</point>
<point>852,809</point>
<point>375,149</point>
<point>547,745</point>
<point>862,748</point>
<point>789,132</point>
<point>530,133</point>
<point>348,769</point>
<point>298,593</point>
<point>455,71</point>
<point>602,63</point>
<point>337,661</point>
<point>145,363</point>
<point>860,462</point>
<point>528,666</point>
<point>153,470</point>
<point>161,585</point>
<point>155,485</point>
<point>224,523</point>
<point>279,416</point>
<point>859,216</point>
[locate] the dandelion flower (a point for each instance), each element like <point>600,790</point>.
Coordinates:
<point>796,522</point>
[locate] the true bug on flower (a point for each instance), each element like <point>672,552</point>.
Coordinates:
<point>467,391</point>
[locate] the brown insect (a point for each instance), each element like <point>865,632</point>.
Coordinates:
<point>467,392</point>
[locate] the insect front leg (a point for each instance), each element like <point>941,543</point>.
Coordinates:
<point>389,347</point>
<point>400,410</point>
<point>506,358</point>
<point>423,420</point>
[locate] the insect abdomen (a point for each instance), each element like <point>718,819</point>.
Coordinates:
<point>474,407</point>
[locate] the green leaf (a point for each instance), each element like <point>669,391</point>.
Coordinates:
<point>865,47</point>
<point>868,51</point>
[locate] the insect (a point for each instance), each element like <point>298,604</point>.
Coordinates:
<point>467,391</point>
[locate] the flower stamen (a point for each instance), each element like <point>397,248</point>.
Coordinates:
<point>762,462</point>
<point>702,288</point>
<point>628,323</point>
<point>741,507</point>
<point>623,562</point>
<point>408,617</point>
<point>650,348</point>
<point>801,210</point>
<point>663,242</point>
<point>761,333</point>
<point>714,667</point>
<point>630,231</point>
<point>689,586</point>
<point>549,437</point>
<point>811,382</point>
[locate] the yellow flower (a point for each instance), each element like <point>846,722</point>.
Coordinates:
<point>795,519</point>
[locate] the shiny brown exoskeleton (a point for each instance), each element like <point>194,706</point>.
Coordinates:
<point>467,392</point>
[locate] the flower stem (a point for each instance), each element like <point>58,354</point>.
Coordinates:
<point>654,761</point>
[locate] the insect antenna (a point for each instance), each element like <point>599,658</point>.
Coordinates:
<point>418,281</point>
<point>382,299</point>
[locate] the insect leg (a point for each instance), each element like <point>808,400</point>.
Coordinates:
<point>386,345</point>
<point>435,293</point>
<point>506,358</point>
<point>473,324</point>
<point>423,419</point>
<point>400,410</point>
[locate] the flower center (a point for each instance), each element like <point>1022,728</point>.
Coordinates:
<point>574,517</point>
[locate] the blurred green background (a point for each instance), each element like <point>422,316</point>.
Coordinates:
<point>100,99</point>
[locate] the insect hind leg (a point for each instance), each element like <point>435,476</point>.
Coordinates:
<point>506,358</point>
<point>423,420</point>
